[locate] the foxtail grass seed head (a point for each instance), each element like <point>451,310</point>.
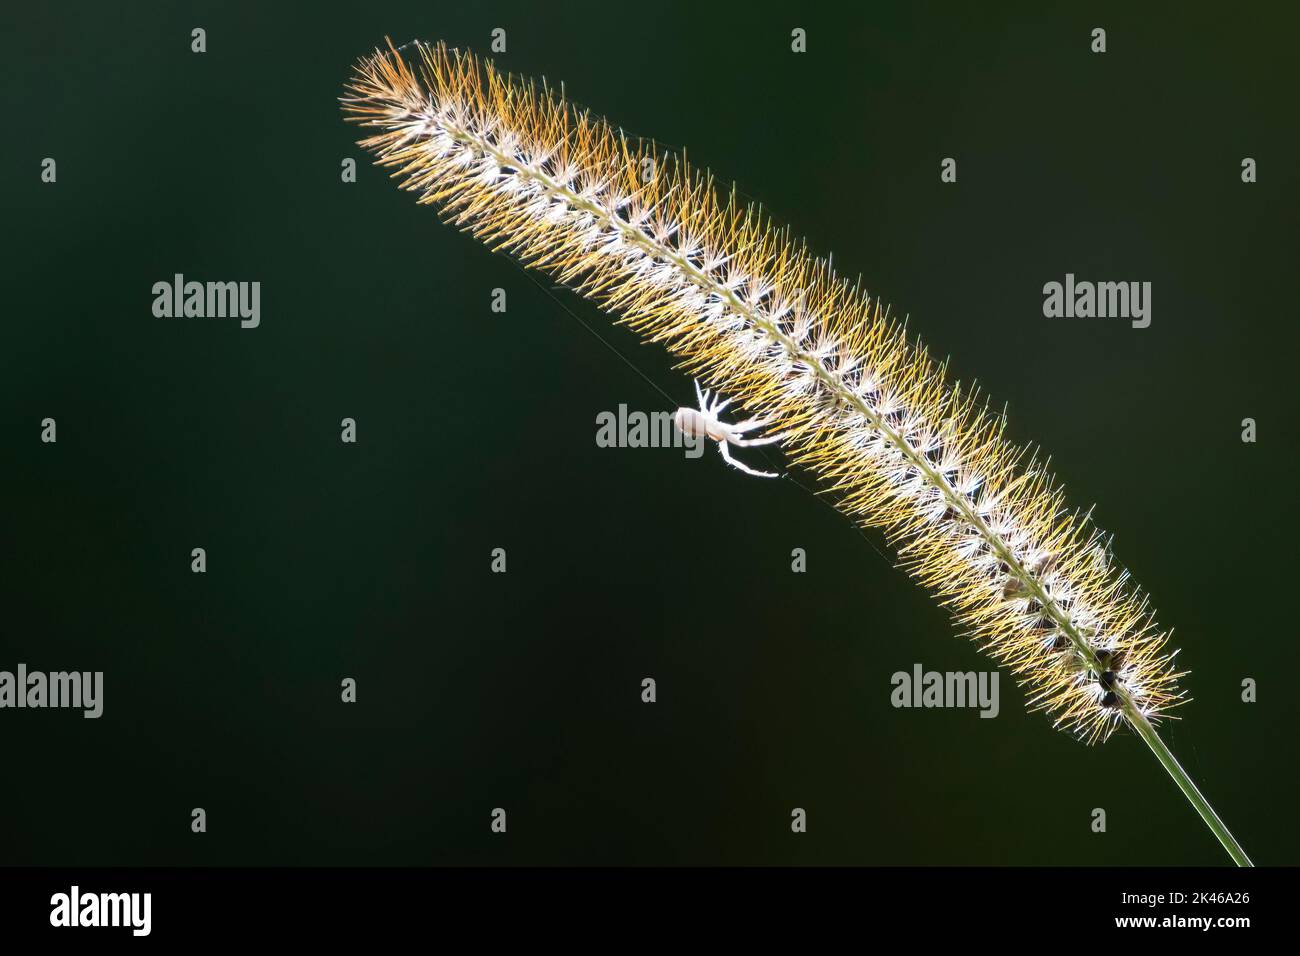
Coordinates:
<point>753,314</point>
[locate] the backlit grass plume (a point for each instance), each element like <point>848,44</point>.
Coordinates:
<point>753,313</point>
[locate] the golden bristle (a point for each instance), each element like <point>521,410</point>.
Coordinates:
<point>978,521</point>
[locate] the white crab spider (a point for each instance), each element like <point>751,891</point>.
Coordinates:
<point>703,422</point>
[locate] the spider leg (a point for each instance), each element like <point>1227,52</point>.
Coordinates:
<point>726,456</point>
<point>751,442</point>
<point>750,423</point>
<point>699,397</point>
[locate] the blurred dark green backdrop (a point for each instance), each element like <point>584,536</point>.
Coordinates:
<point>476,431</point>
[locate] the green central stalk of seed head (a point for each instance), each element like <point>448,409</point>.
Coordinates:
<point>1185,784</point>
<point>1029,583</point>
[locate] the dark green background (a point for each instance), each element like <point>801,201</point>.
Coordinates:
<point>477,431</point>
